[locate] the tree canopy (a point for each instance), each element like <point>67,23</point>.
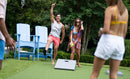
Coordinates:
<point>37,12</point>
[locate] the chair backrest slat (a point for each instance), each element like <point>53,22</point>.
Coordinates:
<point>24,31</point>
<point>41,31</point>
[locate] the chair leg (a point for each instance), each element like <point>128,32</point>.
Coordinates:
<point>15,52</point>
<point>33,56</point>
<point>29,55</point>
<point>30,49</point>
<point>38,53</point>
<point>19,53</point>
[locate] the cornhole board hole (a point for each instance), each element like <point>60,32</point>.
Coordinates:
<point>65,64</point>
<point>118,73</point>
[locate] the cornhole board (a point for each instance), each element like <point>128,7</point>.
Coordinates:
<point>118,73</point>
<point>65,64</point>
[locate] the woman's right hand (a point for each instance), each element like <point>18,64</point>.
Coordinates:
<point>100,32</point>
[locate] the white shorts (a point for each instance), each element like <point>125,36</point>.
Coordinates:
<point>110,46</point>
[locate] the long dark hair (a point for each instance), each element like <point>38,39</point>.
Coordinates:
<point>75,24</point>
<point>119,3</point>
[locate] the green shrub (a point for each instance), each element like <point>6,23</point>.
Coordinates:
<point>124,62</point>
<point>128,64</point>
<point>83,58</point>
<point>88,58</point>
<point>127,48</point>
<point>127,57</point>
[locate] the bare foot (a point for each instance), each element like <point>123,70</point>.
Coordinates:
<point>79,65</point>
<point>53,63</point>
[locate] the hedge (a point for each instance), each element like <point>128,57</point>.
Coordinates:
<point>83,58</point>
<point>89,59</point>
<point>127,49</point>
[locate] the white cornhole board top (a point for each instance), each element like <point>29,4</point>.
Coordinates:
<point>65,64</point>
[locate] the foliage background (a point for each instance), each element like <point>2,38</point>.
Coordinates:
<point>37,12</point>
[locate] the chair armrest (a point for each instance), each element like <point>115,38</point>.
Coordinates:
<point>34,37</point>
<point>38,38</point>
<point>18,37</point>
<point>17,34</point>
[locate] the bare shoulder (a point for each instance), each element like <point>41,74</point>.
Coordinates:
<point>109,9</point>
<point>127,12</point>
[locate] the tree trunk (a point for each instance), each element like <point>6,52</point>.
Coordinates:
<point>88,32</point>
<point>84,41</point>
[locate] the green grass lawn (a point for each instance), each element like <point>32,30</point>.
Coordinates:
<point>27,69</point>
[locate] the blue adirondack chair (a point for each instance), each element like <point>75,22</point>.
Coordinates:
<point>23,41</point>
<point>42,33</point>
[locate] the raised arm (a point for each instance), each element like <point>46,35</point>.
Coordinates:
<point>63,34</point>
<point>82,27</point>
<point>51,13</point>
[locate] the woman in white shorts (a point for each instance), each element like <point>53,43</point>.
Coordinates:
<point>111,44</point>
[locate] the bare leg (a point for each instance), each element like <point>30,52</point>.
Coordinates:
<point>78,57</point>
<point>72,53</point>
<point>55,54</point>
<point>114,66</point>
<point>48,44</point>
<point>98,63</point>
<point>0,64</point>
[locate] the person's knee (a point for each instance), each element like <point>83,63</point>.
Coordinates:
<point>96,70</point>
<point>73,51</point>
<point>78,53</point>
<point>56,47</point>
<point>113,75</point>
<point>49,41</point>
<point>72,54</point>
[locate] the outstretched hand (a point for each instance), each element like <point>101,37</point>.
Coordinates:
<point>53,5</point>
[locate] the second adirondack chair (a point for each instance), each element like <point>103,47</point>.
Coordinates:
<point>42,33</point>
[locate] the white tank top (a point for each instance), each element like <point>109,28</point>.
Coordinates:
<point>56,29</point>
